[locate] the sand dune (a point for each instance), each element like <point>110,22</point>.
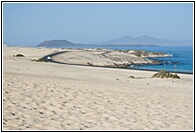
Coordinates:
<point>103,57</point>
<point>49,96</point>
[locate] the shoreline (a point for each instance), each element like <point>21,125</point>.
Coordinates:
<point>154,70</point>
<point>129,68</point>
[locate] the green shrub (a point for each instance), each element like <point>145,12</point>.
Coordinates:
<point>137,53</point>
<point>90,64</point>
<point>132,77</point>
<point>40,60</point>
<point>175,76</point>
<point>155,75</point>
<point>165,74</point>
<point>19,55</point>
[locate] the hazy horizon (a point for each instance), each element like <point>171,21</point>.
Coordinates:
<point>33,23</point>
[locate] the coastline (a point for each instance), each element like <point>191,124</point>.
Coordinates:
<point>126,66</point>
<point>50,96</point>
<point>110,58</point>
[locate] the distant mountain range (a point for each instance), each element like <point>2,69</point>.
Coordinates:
<point>145,40</point>
<point>126,40</point>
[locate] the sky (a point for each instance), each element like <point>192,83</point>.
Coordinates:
<point>33,23</point>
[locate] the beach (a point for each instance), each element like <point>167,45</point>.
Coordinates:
<point>52,96</point>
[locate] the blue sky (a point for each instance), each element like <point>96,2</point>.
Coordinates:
<point>33,23</point>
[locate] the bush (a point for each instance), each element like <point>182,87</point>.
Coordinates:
<point>19,55</point>
<point>137,53</point>
<point>176,76</point>
<point>40,60</point>
<point>132,77</point>
<point>165,74</point>
<point>90,64</point>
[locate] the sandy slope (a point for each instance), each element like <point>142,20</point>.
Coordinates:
<point>48,96</point>
<point>103,57</point>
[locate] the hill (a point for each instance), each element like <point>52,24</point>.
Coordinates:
<point>55,43</point>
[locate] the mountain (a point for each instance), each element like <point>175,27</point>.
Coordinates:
<point>146,40</point>
<point>55,43</point>
<point>126,40</point>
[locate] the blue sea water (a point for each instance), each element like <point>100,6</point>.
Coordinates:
<point>180,61</point>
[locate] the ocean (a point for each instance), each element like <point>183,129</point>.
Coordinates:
<point>180,61</point>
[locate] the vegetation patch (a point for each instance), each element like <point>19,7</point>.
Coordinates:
<point>19,55</point>
<point>90,64</point>
<point>140,53</point>
<point>165,74</point>
<point>40,60</point>
<point>132,77</point>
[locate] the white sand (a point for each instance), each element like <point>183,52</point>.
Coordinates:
<point>103,57</point>
<point>49,96</point>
